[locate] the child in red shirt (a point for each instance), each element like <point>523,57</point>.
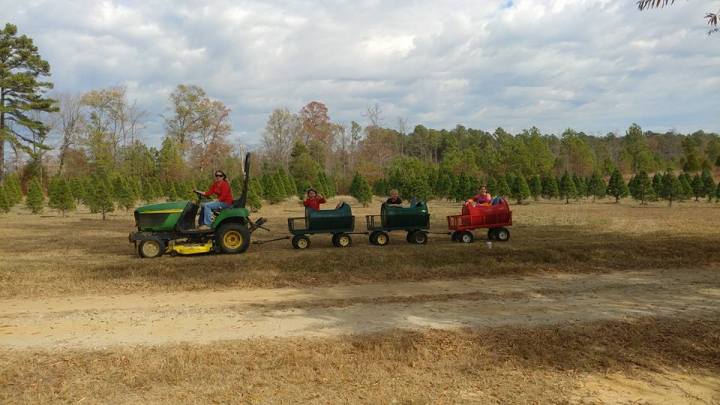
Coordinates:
<point>313,200</point>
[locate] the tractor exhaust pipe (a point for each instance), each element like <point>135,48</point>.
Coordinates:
<point>243,197</point>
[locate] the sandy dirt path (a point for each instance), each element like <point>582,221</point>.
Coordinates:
<point>207,316</point>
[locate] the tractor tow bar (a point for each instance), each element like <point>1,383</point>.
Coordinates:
<point>260,242</point>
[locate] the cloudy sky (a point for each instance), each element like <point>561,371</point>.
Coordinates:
<point>594,65</point>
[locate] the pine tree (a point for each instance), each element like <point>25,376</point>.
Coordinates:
<point>708,184</point>
<point>171,193</point>
<point>657,181</point>
<point>616,186</point>
<point>280,185</point>
<point>491,186</point>
<point>273,193</point>
<point>698,187</point>
<point>535,185</point>
<point>671,188</point>
<point>35,199</point>
<point>596,186</point>
<point>77,188</point>
<point>503,189</point>
<point>123,194</point>
<point>4,202</point>
<point>686,184</point>
<point>360,189</point>
<point>61,197</point>
<point>147,193</point>
<point>550,188</point>
<point>254,195</point>
<point>100,195</point>
<point>13,189</point>
<point>641,188</point>
<point>520,189</point>
<point>380,187</point>
<point>567,188</point>
<point>580,186</point>
<point>717,191</point>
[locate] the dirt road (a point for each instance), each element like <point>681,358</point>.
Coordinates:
<point>204,316</point>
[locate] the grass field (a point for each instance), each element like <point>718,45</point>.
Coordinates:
<point>50,255</point>
<point>659,343</point>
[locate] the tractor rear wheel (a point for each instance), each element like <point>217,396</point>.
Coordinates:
<point>467,237</point>
<point>300,242</point>
<point>233,238</point>
<point>151,248</point>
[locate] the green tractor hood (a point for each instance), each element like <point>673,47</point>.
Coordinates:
<point>160,217</point>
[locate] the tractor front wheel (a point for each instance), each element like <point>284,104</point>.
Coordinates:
<point>151,248</point>
<point>233,238</point>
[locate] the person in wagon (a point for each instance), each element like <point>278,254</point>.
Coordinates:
<point>394,198</point>
<point>313,200</point>
<point>482,197</point>
<point>221,188</point>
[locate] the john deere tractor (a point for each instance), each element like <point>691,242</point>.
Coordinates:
<point>170,227</point>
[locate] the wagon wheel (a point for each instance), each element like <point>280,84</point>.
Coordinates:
<point>455,236</point>
<point>410,237</point>
<point>343,240</point>
<point>335,239</point>
<point>467,237</point>
<point>491,234</point>
<point>300,242</point>
<point>502,234</point>
<point>151,248</point>
<point>419,237</point>
<point>382,238</point>
<point>373,237</point>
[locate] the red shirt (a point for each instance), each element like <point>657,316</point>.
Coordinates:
<point>222,189</point>
<point>482,198</point>
<point>314,203</point>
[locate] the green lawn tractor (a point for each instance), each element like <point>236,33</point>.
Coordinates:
<point>170,227</point>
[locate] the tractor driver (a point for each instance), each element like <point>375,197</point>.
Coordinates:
<point>221,188</point>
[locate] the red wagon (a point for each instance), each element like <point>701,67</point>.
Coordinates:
<point>495,217</point>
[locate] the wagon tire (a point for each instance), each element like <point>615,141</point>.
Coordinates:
<point>342,240</point>
<point>455,236</point>
<point>419,237</point>
<point>467,237</point>
<point>382,238</point>
<point>502,234</point>
<point>300,242</point>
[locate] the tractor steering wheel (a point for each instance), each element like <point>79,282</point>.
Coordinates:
<point>200,196</point>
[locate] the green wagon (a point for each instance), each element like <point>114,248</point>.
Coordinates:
<point>415,220</point>
<point>340,222</point>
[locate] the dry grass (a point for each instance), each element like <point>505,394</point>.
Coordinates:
<point>52,255</point>
<point>509,365</point>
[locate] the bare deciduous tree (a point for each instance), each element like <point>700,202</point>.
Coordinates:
<point>283,128</point>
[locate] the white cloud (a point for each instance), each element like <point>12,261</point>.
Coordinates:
<point>595,65</point>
